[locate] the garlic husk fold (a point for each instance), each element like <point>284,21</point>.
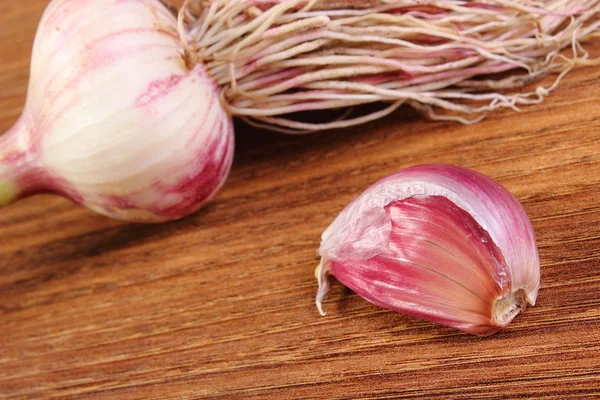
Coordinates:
<point>114,119</point>
<point>438,242</point>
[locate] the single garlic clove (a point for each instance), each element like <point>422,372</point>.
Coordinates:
<point>438,242</point>
<point>114,118</point>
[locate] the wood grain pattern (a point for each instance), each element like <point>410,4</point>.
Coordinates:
<point>220,304</point>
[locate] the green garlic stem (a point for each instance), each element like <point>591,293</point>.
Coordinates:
<point>13,162</point>
<point>8,192</point>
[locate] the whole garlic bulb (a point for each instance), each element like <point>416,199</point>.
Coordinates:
<point>114,119</point>
<point>438,242</point>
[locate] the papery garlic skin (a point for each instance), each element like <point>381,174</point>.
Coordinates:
<point>439,242</point>
<point>114,119</point>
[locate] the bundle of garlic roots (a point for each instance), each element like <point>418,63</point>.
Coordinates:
<point>451,60</point>
<point>129,106</point>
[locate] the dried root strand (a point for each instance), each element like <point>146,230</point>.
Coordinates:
<point>451,60</point>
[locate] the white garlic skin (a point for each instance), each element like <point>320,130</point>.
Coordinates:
<point>114,119</point>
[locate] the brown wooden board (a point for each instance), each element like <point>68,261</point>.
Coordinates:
<point>220,305</point>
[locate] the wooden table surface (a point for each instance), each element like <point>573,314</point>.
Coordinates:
<point>220,305</point>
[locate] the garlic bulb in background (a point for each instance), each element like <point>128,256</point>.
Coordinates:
<point>438,242</point>
<point>114,119</point>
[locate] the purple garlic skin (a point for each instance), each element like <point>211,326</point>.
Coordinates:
<point>438,242</point>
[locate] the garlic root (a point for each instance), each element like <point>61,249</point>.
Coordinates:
<point>450,60</point>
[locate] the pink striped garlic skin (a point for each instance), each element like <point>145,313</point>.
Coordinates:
<point>438,242</point>
<point>114,119</point>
